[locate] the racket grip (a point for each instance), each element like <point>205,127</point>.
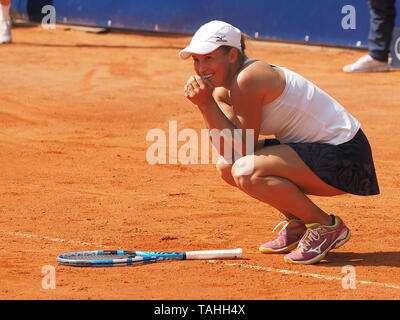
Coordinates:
<point>214,254</point>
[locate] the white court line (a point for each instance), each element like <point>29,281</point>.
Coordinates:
<point>309,275</point>
<point>243,265</point>
<point>29,235</point>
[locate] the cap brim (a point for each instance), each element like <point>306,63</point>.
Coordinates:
<point>203,48</point>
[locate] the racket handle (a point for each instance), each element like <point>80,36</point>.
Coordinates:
<point>214,254</point>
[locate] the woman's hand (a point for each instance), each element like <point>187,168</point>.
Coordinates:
<point>199,91</point>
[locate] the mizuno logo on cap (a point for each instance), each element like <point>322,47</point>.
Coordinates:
<point>220,39</point>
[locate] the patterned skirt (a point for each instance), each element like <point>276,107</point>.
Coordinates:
<point>348,167</point>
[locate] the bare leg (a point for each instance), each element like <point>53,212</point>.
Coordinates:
<point>285,196</point>
<point>281,179</point>
<point>289,216</point>
<point>225,171</point>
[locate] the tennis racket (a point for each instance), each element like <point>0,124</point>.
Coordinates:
<point>110,258</point>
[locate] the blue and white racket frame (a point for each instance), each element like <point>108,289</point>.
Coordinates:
<point>109,258</point>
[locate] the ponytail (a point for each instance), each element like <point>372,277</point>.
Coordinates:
<point>243,41</point>
<point>242,53</point>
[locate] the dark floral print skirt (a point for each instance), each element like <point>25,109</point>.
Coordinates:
<point>348,167</point>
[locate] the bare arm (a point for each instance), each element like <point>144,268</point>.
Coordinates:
<point>221,97</point>
<point>250,91</point>
<point>217,113</point>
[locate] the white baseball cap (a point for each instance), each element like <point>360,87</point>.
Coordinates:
<point>211,36</point>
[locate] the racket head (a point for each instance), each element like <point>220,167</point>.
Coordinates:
<point>103,258</point>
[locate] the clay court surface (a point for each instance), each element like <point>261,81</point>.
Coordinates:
<point>75,109</point>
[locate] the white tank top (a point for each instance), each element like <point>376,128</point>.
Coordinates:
<point>305,113</point>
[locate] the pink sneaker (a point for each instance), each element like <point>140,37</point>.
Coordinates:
<point>317,241</point>
<point>288,238</point>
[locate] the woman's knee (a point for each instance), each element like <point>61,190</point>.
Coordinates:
<point>243,172</point>
<point>246,175</point>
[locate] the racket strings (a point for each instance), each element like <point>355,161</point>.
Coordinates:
<point>102,257</point>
